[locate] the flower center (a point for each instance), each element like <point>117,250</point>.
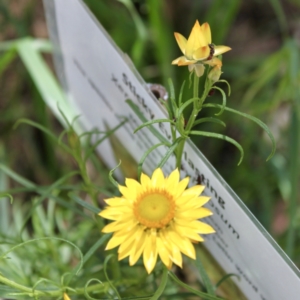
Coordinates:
<point>154,208</point>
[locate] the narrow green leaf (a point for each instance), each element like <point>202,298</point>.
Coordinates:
<point>62,202</point>
<point>145,155</point>
<point>223,100</point>
<point>3,197</point>
<point>142,32</point>
<point>110,256</point>
<point>221,137</point>
<point>181,93</point>
<point>162,285</point>
<point>154,131</point>
<point>21,180</point>
<point>256,120</point>
<point>206,281</point>
<point>111,178</point>
<point>6,59</point>
<point>210,120</point>
<point>227,276</point>
<point>42,76</point>
<point>188,288</point>
<point>172,100</point>
<point>84,204</point>
<point>170,151</point>
<point>45,130</point>
<point>146,124</point>
<point>95,247</point>
<point>185,105</point>
<point>107,134</point>
<point>229,88</point>
<point>280,14</point>
<point>47,193</point>
<point>92,288</point>
<point>172,90</point>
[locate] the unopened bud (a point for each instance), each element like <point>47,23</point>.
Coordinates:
<point>74,140</point>
<point>215,73</point>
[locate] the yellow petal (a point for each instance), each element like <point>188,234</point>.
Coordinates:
<point>183,61</point>
<point>138,248</point>
<point>194,213</point>
<point>201,53</point>
<point>158,178</point>
<point>195,40</point>
<point>150,254</point>
<point>214,62</point>
<point>163,253</point>
<point>184,245</point>
<point>127,231</point>
<point>126,252</point>
<point>131,247</point>
<point>202,227</point>
<point>176,257</point>
<point>133,185</point>
<point>116,201</point>
<point>203,200</point>
<point>206,32</point>
<point>192,202</point>
<point>115,226</point>
<point>181,187</point>
<point>129,194</point>
<point>187,232</point>
<point>145,181</point>
<point>114,242</point>
<point>110,214</point>
<point>221,49</point>
<point>194,190</point>
<point>175,252</point>
<point>173,179</point>
<point>128,242</point>
<point>181,41</point>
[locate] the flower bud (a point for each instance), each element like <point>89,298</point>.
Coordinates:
<point>215,73</point>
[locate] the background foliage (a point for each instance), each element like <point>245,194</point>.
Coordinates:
<point>263,69</point>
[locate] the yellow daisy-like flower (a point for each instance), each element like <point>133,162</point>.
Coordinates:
<point>156,217</point>
<point>198,49</point>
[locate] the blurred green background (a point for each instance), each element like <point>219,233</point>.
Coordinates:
<point>263,69</point>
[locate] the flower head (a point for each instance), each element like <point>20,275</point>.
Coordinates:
<point>156,217</point>
<point>198,49</point>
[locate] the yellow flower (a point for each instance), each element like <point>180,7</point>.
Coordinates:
<point>157,217</point>
<point>198,49</point>
<point>66,297</point>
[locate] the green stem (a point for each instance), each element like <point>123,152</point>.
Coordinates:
<point>191,121</point>
<point>50,293</point>
<point>196,108</point>
<point>76,147</point>
<point>30,291</point>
